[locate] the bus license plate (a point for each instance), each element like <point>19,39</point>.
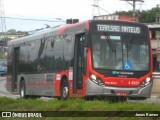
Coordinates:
<point>121,93</point>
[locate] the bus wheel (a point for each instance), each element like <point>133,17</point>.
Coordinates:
<point>64,92</point>
<point>23,89</point>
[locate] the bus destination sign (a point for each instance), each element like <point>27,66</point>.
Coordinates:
<point>118,28</point>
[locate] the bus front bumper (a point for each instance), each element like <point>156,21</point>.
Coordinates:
<point>95,90</point>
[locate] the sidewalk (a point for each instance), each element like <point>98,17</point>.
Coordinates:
<point>156,88</point>
<point>155,96</point>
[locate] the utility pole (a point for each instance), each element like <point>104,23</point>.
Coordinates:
<point>2,27</point>
<point>134,7</point>
<point>96,8</point>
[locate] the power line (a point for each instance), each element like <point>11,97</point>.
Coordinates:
<point>100,8</point>
<point>34,19</point>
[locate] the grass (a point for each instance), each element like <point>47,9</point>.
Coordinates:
<point>72,105</point>
<point>97,106</point>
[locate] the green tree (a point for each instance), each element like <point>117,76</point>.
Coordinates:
<point>128,13</point>
<point>145,16</point>
<point>13,31</point>
<point>148,16</point>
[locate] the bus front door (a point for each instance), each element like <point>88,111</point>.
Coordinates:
<point>15,69</point>
<point>78,63</point>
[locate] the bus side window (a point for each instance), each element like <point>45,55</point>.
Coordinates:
<point>10,61</point>
<point>68,51</point>
<point>49,56</point>
<point>41,54</point>
<point>58,53</point>
<point>32,56</point>
<point>23,59</point>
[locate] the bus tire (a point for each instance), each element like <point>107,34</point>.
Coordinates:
<point>64,90</point>
<point>23,89</point>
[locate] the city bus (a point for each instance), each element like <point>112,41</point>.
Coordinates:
<point>84,59</point>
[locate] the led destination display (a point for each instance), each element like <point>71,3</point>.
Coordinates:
<point>118,28</point>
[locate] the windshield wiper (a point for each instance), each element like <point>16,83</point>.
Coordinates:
<point>130,44</point>
<point>110,43</point>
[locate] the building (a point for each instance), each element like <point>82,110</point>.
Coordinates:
<point>155,38</point>
<point>10,36</point>
<point>13,35</point>
<point>115,17</point>
<point>157,17</point>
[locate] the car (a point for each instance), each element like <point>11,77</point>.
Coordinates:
<point>3,68</point>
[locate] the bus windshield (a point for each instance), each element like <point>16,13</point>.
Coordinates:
<point>120,52</point>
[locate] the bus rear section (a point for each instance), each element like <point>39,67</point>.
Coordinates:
<point>120,60</point>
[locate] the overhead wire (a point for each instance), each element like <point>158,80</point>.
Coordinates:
<point>34,19</point>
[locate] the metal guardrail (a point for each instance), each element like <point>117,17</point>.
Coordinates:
<point>156,75</point>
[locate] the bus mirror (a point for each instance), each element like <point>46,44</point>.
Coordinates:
<point>87,40</point>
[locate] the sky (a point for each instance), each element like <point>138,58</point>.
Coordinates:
<point>63,9</point>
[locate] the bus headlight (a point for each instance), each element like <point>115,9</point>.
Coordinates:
<point>148,79</point>
<point>96,80</point>
<point>146,82</point>
<point>93,77</point>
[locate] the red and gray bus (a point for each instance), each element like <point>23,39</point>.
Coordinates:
<point>90,58</point>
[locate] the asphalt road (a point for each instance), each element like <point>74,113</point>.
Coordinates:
<point>155,98</point>
<point>3,91</point>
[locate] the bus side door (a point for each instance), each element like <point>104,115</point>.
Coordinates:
<point>78,62</point>
<point>15,68</point>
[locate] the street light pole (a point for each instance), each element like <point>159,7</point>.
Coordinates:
<point>100,8</point>
<point>134,10</point>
